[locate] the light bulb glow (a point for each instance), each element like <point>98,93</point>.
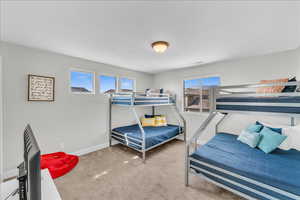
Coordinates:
<point>160,46</point>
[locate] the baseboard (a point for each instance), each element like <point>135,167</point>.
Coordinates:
<point>10,174</point>
<point>90,149</point>
<point>14,172</point>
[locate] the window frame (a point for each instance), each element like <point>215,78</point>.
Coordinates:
<point>83,71</point>
<point>99,82</point>
<point>127,77</point>
<point>183,91</point>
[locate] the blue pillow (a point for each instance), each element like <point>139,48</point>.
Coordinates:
<point>254,128</point>
<point>278,130</point>
<point>250,138</point>
<point>270,140</point>
<point>151,116</point>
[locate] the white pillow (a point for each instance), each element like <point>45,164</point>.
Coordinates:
<point>293,138</point>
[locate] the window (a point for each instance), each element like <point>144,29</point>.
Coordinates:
<point>107,84</point>
<point>127,85</point>
<point>196,93</point>
<point>82,82</point>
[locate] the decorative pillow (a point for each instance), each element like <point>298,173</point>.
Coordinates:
<point>290,88</point>
<point>278,130</point>
<point>148,121</point>
<point>270,140</point>
<point>160,121</point>
<point>254,128</point>
<point>272,89</point>
<point>250,138</point>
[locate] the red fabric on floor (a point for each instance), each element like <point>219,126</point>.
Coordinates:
<point>58,163</point>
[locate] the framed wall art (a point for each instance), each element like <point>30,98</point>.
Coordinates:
<point>40,88</point>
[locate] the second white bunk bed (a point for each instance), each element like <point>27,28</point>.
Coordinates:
<point>137,137</point>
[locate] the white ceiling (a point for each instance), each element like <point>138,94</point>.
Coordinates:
<point>120,32</point>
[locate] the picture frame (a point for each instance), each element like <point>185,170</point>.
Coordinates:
<point>41,88</point>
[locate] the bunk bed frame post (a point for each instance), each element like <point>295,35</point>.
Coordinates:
<point>183,120</point>
<point>292,121</point>
<point>197,134</point>
<point>143,133</point>
<point>187,165</point>
<point>110,120</point>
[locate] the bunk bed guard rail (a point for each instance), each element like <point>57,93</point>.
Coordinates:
<point>142,99</point>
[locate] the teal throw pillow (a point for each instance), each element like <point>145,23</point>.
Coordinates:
<point>270,140</point>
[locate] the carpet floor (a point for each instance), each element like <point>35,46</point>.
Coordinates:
<point>117,173</point>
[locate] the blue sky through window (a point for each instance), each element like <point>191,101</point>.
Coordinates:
<point>107,83</point>
<point>126,84</point>
<point>197,83</point>
<point>82,80</point>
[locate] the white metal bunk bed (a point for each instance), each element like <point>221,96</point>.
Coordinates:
<point>223,159</point>
<point>136,136</point>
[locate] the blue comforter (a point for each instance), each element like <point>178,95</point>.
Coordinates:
<point>277,104</point>
<point>154,135</point>
<point>280,169</point>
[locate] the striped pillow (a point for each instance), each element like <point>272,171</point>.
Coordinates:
<point>148,122</point>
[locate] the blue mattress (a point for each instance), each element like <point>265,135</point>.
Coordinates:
<point>154,135</point>
<point>142,100</point>
<point>282,104</point>
<point>280,99</point>
<point>280,169</point>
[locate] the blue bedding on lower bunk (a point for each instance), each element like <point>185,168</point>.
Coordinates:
<point>154,135</point>
<point>280,169</point>
<point>262,99</point>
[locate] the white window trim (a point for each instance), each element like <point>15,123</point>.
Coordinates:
<point>192,78</point>
<point>106,74</point>
<point>84,71</point>
<point>119,83</point>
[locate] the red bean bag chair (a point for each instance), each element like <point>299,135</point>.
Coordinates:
<point>58,163</point>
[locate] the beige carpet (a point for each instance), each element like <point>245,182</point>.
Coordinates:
<point>117,173</point>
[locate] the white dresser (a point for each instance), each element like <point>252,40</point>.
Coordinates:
<point>49,191</point>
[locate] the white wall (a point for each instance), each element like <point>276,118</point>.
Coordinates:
<point>242,71</point>
<point>1,126</point>
<point>73,122</point>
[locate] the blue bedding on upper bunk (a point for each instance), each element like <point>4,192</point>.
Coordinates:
<point>142,100</point>
<point>280,169</point>
<point>263,99</point>
<point>276,104</point>
<point>154,135</point>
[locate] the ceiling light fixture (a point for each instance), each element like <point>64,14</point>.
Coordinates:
<point>160,46</point>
